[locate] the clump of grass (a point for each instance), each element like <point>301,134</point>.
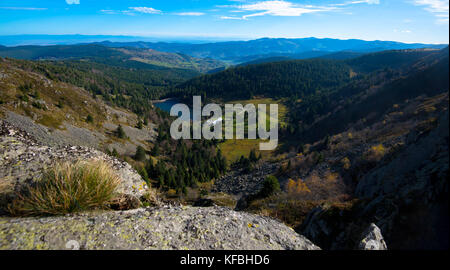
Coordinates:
<point>67,188</point>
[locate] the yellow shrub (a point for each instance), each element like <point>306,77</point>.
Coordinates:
<point>68,187</point>
<point>297,187</point>
<point>171,193</point>
<point>346,164</point>
<point>376,152</point>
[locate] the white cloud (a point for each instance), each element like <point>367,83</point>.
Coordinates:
<point>438,7</point>
<point>131,11</point>
<point>280,8</point>
<point>146,10</point>
<point>230,18</point>
<point>189,13</point>
<point>402,31</point>
<point>285,8</point>
<point>73,2</point>
<point>109,11</point>
<point>23,8</point>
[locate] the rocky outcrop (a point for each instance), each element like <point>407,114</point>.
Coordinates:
<point>166,227</point>
<point>241,186</point>
<point>372,239</point>
<point>23,159</point>
<point>182,228</point>
<point>406,195</point>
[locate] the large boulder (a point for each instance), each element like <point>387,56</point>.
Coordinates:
<point>23,159</point>
<point>152,228</point>
<point>372,239</point>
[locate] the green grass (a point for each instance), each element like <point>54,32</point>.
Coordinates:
<point>234,149</point>
<point>282,109</point>
<point>54,121</point>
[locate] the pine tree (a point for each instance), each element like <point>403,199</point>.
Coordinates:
<point>89,119</point>
<point>120,132</point>
<point>270,186</point>
<point>252,156</point>
<point>155,150</point>
<point>140,153</point>
<point>140,125</point>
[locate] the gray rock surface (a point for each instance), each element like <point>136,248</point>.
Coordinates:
<point>182,228</point>
<point>372,239</point>
<point>241,184</point>
<point>69,135</point>
<point>405,195</point>
<point>22,160</point>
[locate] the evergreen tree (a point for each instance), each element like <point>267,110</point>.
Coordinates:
<point>252,156</point>
<point>140,153</point>
<point>120,132</point>
<point>115,153</point>
<point>270,186</point>
<point>140,125</point>
<point>89,119</point>
<point>155,150</point>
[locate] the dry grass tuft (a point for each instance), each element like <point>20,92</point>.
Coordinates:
<point>67,188</point>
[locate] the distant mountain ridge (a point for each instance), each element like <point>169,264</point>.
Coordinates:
<point>244,51</point>
<point>145,58</point>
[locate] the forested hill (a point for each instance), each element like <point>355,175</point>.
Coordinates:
<point>366,99</point>
<point>127,87</point>
<point>279,79</point>
<point>244,51</point>
<point>297,78</point>
<point>396,59</point>
<point>122,57</point>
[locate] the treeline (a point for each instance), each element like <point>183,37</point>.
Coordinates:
<point>175,165</point>
<point>129,87</point>
<point>188,166</point>
<point>293,79</point>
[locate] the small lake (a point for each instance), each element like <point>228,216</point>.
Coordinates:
<point>167,104</point>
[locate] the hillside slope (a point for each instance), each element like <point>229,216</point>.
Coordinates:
<point>165,227</point>
<point>148,59</point>
<point>61,114</point>
<point>243,51</point>
<point>375,152</point>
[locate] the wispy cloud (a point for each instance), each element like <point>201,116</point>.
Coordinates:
<point>280,8</point>
<point>146,10</point>
<point>230,18</point>
<point>109,11</point>
<point>73,2</point>
<point>23,8</point>
<point>402,31</point>
<point>285,8</point>
<point>370,2</point>
<point>189,13</point>
<point>438,7</point>
<point>131,11</point>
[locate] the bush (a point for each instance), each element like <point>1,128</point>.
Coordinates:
<point>270,186</point>
<point>140,125</point>
<point>120,132</point>
<point>67,188</point>
<point>140,154</point>
<point>90,119</point>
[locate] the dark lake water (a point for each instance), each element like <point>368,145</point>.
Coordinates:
<point>167,105</point>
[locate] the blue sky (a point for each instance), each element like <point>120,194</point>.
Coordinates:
<point>425,21</point>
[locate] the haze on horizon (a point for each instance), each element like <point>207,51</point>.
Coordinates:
<point>409,21</point>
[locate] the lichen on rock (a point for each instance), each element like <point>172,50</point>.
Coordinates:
<point>166,228</point>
